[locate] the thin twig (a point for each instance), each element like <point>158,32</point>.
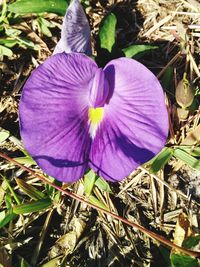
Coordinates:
<point>81,199</point>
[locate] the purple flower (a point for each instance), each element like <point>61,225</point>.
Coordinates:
<point>75,116</point>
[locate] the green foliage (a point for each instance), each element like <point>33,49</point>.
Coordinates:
<point>167,80</point>
<point>44,25</point>
<point>187,158</point>
<point>107,32</point>
<point>30,190</point>
<point>38,6</point>
<point>25,160</point>
<point>178,260</point>
<point>7,216</point>
<point>97,202</point>
<point>103,185</point>
<point>32,206</point>
<point>191,241</point>
<point>161,159</point>
<point>4,51</point>
<point>134,50</point>
<point>89,181</point>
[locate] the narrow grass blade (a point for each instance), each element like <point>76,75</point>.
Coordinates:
<point>194,151</point>
<point>8,217</point>
<point>134,50</point>
<point>25,160</point>
<point>89,181</point>
<point>187,158</point>
<point>30,190</point>
<point>161,159</point>
<point>32,206</point>
<point>103,185</point>
<point>97,202</point>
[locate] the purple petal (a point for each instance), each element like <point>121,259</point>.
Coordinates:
<point>54,115</point>
<point>75,34</point>
<point>99,90</point>
<point>135,124</point>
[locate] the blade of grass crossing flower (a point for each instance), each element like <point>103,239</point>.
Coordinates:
<point>89,181</point>
<point>103,185</point>
<point>38,6</point>
<point>32,206</point>
<point>161,159</point>
<point>187,158</point>
<point>30,190</point>
<point>134,50</point>
<point>107,32</point>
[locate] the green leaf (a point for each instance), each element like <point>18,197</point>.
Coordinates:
<point>8,217</point>
<point>39,6</point>
<point>4,135</point>
<point>24,263</point>
<point>32,206</point>
<point>8,42</point>
<point>4,51</point>
<point>3,11</point>
<point>191,241</point>
<point>30,190</point>
<point>133,50</point>
<point>89,181</point>
<point>45,30</point>
<point>161,159</point>
<point>23,42</point>
<point>103,185</point>
<point>97,202</point>
<point>25,160</point>
<point>107,32</point>
<point>12,32</point>
<point>187,158</point>
<point>194,151</point>
<point>183,261</point>
<point>167,79</point>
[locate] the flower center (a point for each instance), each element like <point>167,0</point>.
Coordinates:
<point>95,116</point>
<point>99,90</point>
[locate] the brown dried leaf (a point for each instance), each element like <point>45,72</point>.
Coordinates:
<point>192,137</point>
<point>182,230</point>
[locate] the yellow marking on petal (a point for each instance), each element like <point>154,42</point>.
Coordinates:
<point>95,117</point>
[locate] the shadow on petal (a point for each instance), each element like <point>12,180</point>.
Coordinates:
<point>60,163</point>
<point>118,157</point>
